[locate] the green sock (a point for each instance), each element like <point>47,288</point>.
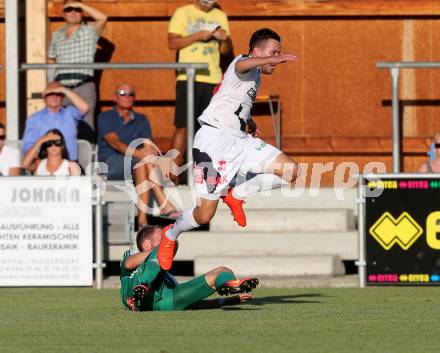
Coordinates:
<point>222,278</point>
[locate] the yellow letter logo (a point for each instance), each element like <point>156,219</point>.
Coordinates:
<point>432,229</point>
<point>388,231</point>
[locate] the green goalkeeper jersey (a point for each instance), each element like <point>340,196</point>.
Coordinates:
<point>160,282</point>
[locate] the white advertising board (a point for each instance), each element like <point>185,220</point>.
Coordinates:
<point>46,231</point>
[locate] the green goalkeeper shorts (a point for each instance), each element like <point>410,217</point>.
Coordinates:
<point>183,295</point>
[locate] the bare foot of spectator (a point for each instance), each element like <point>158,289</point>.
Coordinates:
<point>169,211</point>
<point>174,179</point>
<point>142,219</point>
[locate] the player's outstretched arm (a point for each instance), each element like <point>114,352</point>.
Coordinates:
<point>244,65</point>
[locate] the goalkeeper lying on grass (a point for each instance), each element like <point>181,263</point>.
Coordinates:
<point>145,286</point>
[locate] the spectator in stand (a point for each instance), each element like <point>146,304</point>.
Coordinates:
<point>9,156</point>
<point>117,128</point>
<point>49,157</point>
<point>432,165</point>
<point>200,33</point>
<point>56,116</point>
<point>76,42</point>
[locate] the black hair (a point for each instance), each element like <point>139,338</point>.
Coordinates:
<point>2,126</point>
<point>43,150</point>
<point>145,232</point>
<point>262,35</point>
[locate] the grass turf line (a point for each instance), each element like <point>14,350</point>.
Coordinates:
<point>277,320</point>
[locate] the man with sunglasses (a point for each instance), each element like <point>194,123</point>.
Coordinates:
<point>9,156</point>
<point>117,129</point>
<point>76,42</point>
<point>56,116</point>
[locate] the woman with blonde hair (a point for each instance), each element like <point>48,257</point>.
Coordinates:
<point>433,165</point>
<point>49,157</point>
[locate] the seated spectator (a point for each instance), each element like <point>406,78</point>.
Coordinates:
<point>432,165</point>
<point>56,116</point>
<point>117,128</point>
<point>49,156</point>
<point>9,156</point>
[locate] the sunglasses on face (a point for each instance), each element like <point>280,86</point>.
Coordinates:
<point>437,145</point>
<point>124,93</point>
<point>53,94</point>
<point>51,143</point>
<point>73,9</point>
<point>2,137</point>
<point>209,2</point>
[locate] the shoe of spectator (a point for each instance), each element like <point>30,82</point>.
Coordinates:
<point>172,215</point>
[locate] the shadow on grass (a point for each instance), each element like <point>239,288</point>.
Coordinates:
<point>239,308</point>
<point>276,299</point>
<point>287,299</point>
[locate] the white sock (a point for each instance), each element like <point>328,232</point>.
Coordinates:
<point>182,224</point>
<point>261,182</point>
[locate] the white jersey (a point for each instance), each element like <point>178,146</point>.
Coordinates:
<point>9,158</point>
<point>230,107</point>
<point>63,169</point>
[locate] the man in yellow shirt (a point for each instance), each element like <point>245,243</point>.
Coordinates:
<point>200,33</point>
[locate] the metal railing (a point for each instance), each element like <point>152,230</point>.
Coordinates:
<point>190,70</point>
<point>395,68</point>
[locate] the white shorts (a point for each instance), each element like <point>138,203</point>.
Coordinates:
<point>219,157</point>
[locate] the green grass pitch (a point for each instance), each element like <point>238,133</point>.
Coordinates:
<point>382,320</point>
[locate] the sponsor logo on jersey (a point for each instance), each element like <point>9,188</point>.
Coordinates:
<point>262,145</point>
<point>199,178</point>
<point>214,181</point>
<point>198,175</point>
<point>252,93</point>
<point>221,166</point>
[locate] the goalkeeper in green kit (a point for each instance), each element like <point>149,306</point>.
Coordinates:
<point>146,287</point>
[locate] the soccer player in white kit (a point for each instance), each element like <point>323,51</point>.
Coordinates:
<point>228,143</point>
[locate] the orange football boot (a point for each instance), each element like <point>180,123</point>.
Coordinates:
<point>236,207</point>
<point>165,253</point>
<point>139,294</point>
<point>238,286</point>
<point>131,305</point>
